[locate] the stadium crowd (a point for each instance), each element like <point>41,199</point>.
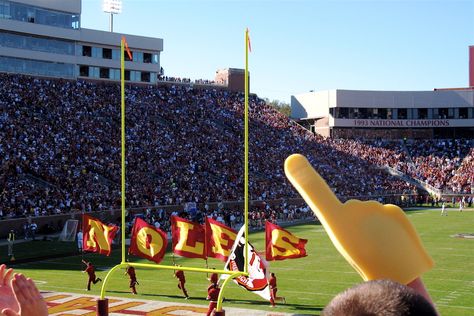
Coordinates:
<point>60,150</point>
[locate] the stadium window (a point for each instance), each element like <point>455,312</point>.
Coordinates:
<point>147,58</point>
<point>18,12</point>
<point>363,113</point>
<point>382,113</point>
<point>115,74</point>
<point>342,113</point>
<point>450,113</point>
<point>135,75</point>
<point>443,113</point>
<point>115,54</point>
<point>422,114</point>
<point>84,71</point>
<point>402,114</point>
<point>463,113</point>
<point>145,76</point>
<point>353,113</point>
<point>94,72</point>
<point>389,114</point>
<point>75,21</point>
<point>373,113</point>
<point>96,52</point>
<point>156,59</point>
<point>127,75</point>
<point>138,57</point>
<point>104,73</point>
<point>5,10</point>
<point>107,53</point>
<point>87,51</point>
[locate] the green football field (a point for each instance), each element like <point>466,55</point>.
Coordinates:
<point>308,283</point>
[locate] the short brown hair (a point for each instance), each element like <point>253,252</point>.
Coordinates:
<point>381,298</point>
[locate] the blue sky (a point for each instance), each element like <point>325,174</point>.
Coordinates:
<point>304,45</point>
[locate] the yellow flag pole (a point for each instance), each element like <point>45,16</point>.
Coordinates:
<point>122,88</point>
<point>246,150</point>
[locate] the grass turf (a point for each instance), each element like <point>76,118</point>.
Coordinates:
<point>307,283</point>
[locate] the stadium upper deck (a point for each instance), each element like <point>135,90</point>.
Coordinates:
<point>45,38</point>
<point>442,113</point>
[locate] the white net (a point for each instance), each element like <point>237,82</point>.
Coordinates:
<point>69,230</point>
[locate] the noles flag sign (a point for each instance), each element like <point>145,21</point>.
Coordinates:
<point>147,241</point>
<point>281,244</point>
<point>97,236</point>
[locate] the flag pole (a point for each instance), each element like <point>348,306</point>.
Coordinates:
<point>122,88</point>
<point>246,150</point>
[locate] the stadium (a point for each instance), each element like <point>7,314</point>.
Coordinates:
<point>60,150</point>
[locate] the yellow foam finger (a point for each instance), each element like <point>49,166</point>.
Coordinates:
<point>377,240</point>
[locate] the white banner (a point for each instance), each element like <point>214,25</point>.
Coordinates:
<point>439,123</point>
<point>257,281</point>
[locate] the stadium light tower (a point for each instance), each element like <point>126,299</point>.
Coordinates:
<point>112,7</point>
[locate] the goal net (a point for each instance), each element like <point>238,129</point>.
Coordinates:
<point>69,230</point>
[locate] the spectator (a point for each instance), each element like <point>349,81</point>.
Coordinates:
<point>379,297</point>
<point>20,296</point>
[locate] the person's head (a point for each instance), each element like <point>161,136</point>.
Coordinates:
<point>272,274</point>
<point>214,278</point>
<point>381,298</point>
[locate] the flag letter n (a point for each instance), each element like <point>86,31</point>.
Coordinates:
<point>98,236</point>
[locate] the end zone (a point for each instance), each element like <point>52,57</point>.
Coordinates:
<point>85,305</point>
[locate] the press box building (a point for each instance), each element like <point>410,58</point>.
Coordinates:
<point>441,113</point>
<point>45,38</point>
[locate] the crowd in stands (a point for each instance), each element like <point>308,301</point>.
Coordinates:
<point>60,150</point>
<point>185,80</point>
<point>438,163</point>
<point>463,179</point>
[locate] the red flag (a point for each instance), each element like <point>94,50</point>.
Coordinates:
<point>188,238</point>
<point>248,41</point>
<point>281,244</point>
<point>97,236</point>
<point>220,239</point>
<point>129,53</point>
<point>147,241</point>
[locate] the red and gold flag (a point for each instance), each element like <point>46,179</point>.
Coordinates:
<point>219,239</point>
<point>188,238</point>
<point>147,241</point>
<point>281,244</point>
<point>97,236</point>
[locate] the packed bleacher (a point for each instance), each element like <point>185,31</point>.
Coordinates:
<point>60,150</point>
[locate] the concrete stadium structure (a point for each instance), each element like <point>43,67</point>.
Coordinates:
<point>441,113</point>
<point>45,38</point>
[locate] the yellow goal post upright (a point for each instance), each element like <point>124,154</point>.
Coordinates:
<point>102,302</point>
